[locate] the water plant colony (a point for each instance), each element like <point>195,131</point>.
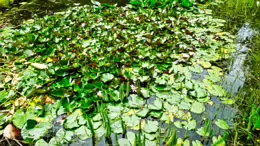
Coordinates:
<point>147,73</point>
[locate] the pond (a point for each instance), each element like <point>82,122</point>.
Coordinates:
<point>130,84</point>
<point>28,9</point>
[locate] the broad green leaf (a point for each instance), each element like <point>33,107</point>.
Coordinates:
<point>145,92</point>
<point>36,132</point>
<point>156,105</point>
<point>41,142</point>
<point>20,118</point>
<point>197,107</point>
<point>83,133</point>
<point>151,126</point>
<point>222,124</point>
<point>203,132</point>
<point>196,143</point>
<point>143,112</point>
<point>117,127</point>
<point>107,77</point>
<point>73,120</point>
<point>124,142</point>
<point>187,3</point>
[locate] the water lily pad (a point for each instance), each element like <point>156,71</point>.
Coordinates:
<point>197,107</point>
<point>145,93</point>
<point>135,101</point>
<point>41,142</point>
<point>205,64</point>
<point>124,142</point>
<point>151,126</point>
<point>155,105</point>
<point>117,127</point>
<point>73,120</point>
<point>143,112</point>
<point>83,133</point>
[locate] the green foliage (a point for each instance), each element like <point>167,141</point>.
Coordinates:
<point>5,3</point>
<point>160,3</point>
<point>237,12</point>
<point>108,69</point>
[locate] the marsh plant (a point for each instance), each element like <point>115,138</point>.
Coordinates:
<point>115,70</point>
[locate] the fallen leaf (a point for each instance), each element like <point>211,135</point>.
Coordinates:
<point>8,78</point>
<point>20,101</point>
<point>11,132</point>
<point>16,79</point>
<point>49,100</point>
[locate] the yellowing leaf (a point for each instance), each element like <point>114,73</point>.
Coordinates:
<point>39,66</point>
<point>20,101</point>
<point>7,79</point>
<point>221,33</point>
<point>131,112</point>
<point>49,60</point>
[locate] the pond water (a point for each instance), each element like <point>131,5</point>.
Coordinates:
<point>235,78</point>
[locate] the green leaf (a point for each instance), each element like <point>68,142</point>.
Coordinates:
<point>117,127</point>
<point>203,132</point>
<point>74,120</point>
<point>227,101</point>
<point>94,2</point>
<point>37,132</point>
<point>156,105</point>
<point>58,92</point>
<point>124,142</point>
<point>196,143</point>
<point>151,126</point>
<point>187,3</point>
<point>196,68</point>
<point>222,124</point>
<point>145,92</point>
<point>131,121</point>
<point>135,101</point>
<point>143,112</point>
<point>205,64</point>
<point>197,107</point>
<point>83,133</point>
<point>191,125</point>
<point>107,77</point>
<point>41,142</point>
<point>3,96</point>
<point>19,119</point>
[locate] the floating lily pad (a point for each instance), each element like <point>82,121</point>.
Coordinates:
<point>197,107</point>
<point>151,126</point>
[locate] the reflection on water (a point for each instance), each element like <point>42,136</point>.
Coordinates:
<point>237,71</point>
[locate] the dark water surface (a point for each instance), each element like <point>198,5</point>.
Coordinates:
<point>28,9</point>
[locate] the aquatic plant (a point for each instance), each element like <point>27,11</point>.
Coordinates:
<point>106,69</point>
<point>5,3</point>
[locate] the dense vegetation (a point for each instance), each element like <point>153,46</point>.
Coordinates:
<point>98,71</point>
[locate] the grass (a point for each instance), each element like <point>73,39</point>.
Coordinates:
<point>237,13</point>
